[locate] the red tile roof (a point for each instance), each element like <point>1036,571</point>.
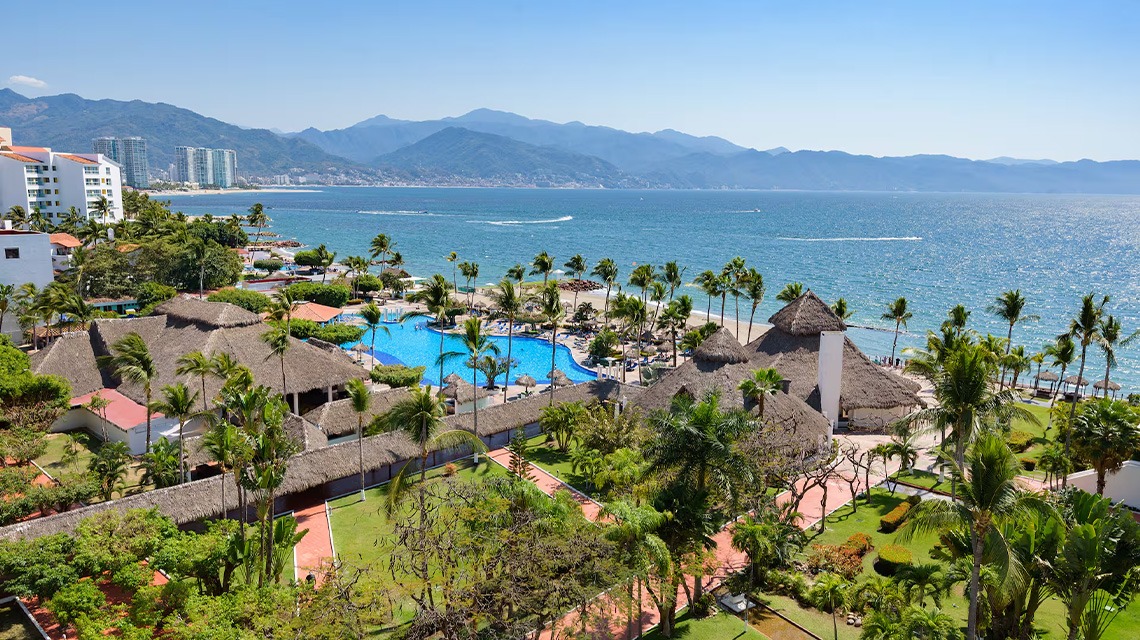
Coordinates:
<point>19,149</point>
<point>79,159</point>
<point>65,240</point>
<point>122,412</point>
<point>313,311</point>
<point>19,157</point>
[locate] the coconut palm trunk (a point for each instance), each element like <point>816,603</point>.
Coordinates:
<point>553,351</point>
<point>1073,408</point>
<point>510,340</point>
<point>895,342</point>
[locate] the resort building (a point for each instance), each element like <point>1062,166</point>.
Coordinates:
<point>26,257</point>
<point>205,167</point>
<point>39,178</point>
<point>130,153</point>
<point>62,244</point>
<point>121,420</point>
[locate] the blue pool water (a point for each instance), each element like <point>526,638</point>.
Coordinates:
<point>413,343</point>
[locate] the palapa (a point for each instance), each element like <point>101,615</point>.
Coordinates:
<point>1112,386</point>
<point>526,381</point>
<point>721,346</point>
<point>1074,380</point>
<point>1048,376</point>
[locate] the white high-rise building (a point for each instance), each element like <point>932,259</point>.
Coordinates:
<point>39,178</point>
<point>205,167</point>
<point>130,153</point>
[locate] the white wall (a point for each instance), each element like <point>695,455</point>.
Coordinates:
<point>65,183</point>
<point>34,264</point>
<point>80,418</point>
<point>830,374</point>
<point>1122,486</point>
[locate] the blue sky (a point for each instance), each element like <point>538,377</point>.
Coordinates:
<point>975,79</point>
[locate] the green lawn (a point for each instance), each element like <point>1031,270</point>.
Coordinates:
<point>1038,431</point>
<point>925,479</point>
<point>52,460</point>
<point>813,620</point>
<point>556,463</point>
<point>721,626</point>
<point>14,625</point>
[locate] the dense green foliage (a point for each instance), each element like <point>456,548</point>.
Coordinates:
<point>244,298</point>
<point>397,375</point>
<point>330,295</point>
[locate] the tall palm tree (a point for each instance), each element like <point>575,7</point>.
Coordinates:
<point>607,270</point>
<point>840,309</point>
<point>898,313</point>
<point>436,296</point>
<point>790,292</point>
<point>989,500</point>
<point>543,263</point>
<point>1038,358</point>
<point>178,402</point>
<point>957,318</point>
<point>1105,435</point>
<point>373,319</point>
<point>381,246</point>
<point>257,218</point>
<point>675,317</point>
<point>470,271</point>
<point>632,311</point>
<point>357,265</point>
<point>199,252</point>
<point>550,307</point>
<point>577,266</point>
<point>477,343</point>
<point>754,291</point>
<point>1010,307</point>
<point>709,283</point>
<point>832,589</point>
<point>517,273</point>
<point>278,340</point>
<point>453,258</point>
<point>324,260</point>
<point>736,275</point>
<point>103,208</point>
<point>1110,339</point>
<point>1084,329</point>
<point>18,215</point>
<point>508,303</point>
<point>1063,353</point>
<point>673,275</point>
<point>360,398</point>
<point>763,383</point>
<point>196,364</point>
<point>633,529</point>
<point>131,361</point>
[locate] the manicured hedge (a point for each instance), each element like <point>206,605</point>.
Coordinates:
<point>891,557</point>
<point>1019,441</point>
<point>859,542</point>
<point>397,375</point>
<point>330,295</point>
<point>894,518</point>
<point>248,300</point>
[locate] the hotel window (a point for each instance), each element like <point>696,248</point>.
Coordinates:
<point>12,254</point>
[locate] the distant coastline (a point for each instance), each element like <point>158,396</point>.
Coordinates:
<point>218,192</point>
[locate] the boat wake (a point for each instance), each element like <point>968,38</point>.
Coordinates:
<point>882,239</point>
<point>510,223</point>
<point>421,214</point>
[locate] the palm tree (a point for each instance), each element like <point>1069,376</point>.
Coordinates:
<point>989,500</point>
<point>840,309</point>
<point>1105,435</point>
<point>477,343</point>
<point>633,530</point>
<point>196,364</point>
<point>178,402</point>
<point>1038,358</point>
<point>470,271</point>
<point>1110,339</point>
<point>198,253</point>
<point>1016,362</point>
<point>673,275</point>
<point>956,319</point>
<point>508,303</point>
<point>109,467</point>
<point>103,208</point>
<point>577,266</point>
<point>257,218</point>
<point>607,270</point>
<point>754,291</point>
<point>436,296</point>
<point>360,398</point>
<point>1063,352</point>
<point>550,307</point>
<point>6,298</point>
<point>357,265</point>
<point>373,319</point>
<point>920,580</point>
<point>632,310</point>
<point>453,259</point>
<point>381,246</point>
<point>18,215</point>
<point>641,277</point>
<point>98,405</point>
<point>736,275</point>
<point>517,273</point>
<point>763,383</point>
<point>832,589</point>
<point>324,260</point>
<point>709,283</point>
<point>1084,330</point>
<point>543,263</point>
<point>222,442</point>
<point>790,292</point>
<point>676,316</point>
<point>1010,307</point>
<point>278,340</point>
<point>133,363</point>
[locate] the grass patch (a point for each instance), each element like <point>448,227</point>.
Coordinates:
<point>14,625</point>
<point>720,626</point>
<point>52,461</point>
<point>813,620</point>
<point>924,479</point>
<point>557,463</point>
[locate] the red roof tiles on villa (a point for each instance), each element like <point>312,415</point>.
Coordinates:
<point>122,412</point>
<point>65,240</point>
<point>19,157</point>
<point>79,159</point>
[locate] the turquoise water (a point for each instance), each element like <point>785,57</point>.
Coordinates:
<point>936,249</point>
<point>413,343</point>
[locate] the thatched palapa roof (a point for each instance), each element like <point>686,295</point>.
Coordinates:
<point>520,413</point>
<point>337,418</point>
<point>1048,376</point>
<point>722,347</point>
<point>1077,381</point>
<point>807,315</point>
<point>71,357</point>
<point>1112,386</point>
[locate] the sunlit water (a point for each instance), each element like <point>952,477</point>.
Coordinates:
<point>935,249</point>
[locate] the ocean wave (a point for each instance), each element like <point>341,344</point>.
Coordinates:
<point>510,223</point>
<point>423,214</point>
<point>881,239</point>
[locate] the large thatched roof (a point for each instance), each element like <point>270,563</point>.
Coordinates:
<point>193,325</point>
<point>504,417</point>
<point>803,425</point>
<point>865,385</point>
<point>721,346</point>
<point>807,315</point>
<point>337,418</point>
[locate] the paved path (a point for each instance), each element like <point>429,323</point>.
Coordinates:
<point>316,547</point>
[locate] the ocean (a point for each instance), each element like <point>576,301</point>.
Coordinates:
<point>937,250</point>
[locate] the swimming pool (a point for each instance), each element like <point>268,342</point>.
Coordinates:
<point>413,343</point>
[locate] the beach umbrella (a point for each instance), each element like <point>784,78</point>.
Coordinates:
<point>452,378</point>
<point>1112,386</point>
<point>526,381</point>
<point>650,349</point>
<point>1074,380</point>
<point>559,379</point>
<point>1047,376</point>
<point>359,348</point>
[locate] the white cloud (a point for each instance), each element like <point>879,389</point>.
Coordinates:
<point>27,81</point>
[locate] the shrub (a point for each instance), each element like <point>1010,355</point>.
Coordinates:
<point>890,558</point>
<point>248,300</point>
<point>82,598</point>
<point>894,518</point>
<point>338,333</point>
<point>703,606</point>
<point>450,470</point>
<point>860,542</point>
<point>1029,464</point>
<point>840,559</point>
<point>149,294</point>
<point>913,499</point>
<point>397,375</point>
<point>366,282</point>
<point>300,328</point>
<point>268,265</point>
<point>792,584</point>
<point>130,577</point>
<point>330,295</point>
<point>356,301</point>
<point>1019,441</point>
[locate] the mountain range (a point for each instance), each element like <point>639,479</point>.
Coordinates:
<point>497,148</point>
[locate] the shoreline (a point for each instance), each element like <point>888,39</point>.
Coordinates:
<point>165,193</point>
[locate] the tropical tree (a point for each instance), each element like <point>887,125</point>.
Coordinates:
<point>790,292</point>
<point>576,266</point>
<point>920,580</point>
<point>957,319</point>
<point>360,399</point>
<point>453,258</point>
<point>754,291</point>
<point>477,343</point>
<point>763,383</point>
<point>1110,338</point>
<point>737,275</point>
<point>1017,362</point>
<point>769,541</point>
<point>196,364</point>
<point>161,464</point>
<point>607,271</point>
<point>709,282</point>
<point>6,298</point>
<point>470,271</point>
<point>109,467</point>
<point>543,263</point>
<point>436,296</point>
<point>1063,352</point>
<point>179,403</point>
<point>277,338</point>
<point>639,548</point>
<point>840,309</point>
<point>508,303</point>
<point>373,317</point>
<point>550,307</point>
<point>830,590</point>
<point>381,246</point>
<point>1010,307</point>
<point>357,266</point>
<point>98,405</point>
<point>1084,330</point>
<point>1105,435</point>
<point>673,276</point>
<point>256,218</point>
<point>199,252</point>
<point>988,500</point>
<point>675,317</point>
<point>631,310</point>
<point>223,444</point>
<point>642,276</point>
<point>517,273</point>
<point>131,361</point>
<point>17,215</point>
<point>103,208</point>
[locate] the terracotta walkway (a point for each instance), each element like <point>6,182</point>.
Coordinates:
<point>316,547</point>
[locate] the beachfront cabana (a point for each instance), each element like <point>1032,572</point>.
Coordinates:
<point>466,396</point>
<point>1047,376</point>
<point>452,378</point>
<point>1112,386</point>
<point>1075,383</point>
<point>526,381</point>
<point>870,397</point>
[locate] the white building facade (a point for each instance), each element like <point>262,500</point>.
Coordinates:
<point>39,178</point>
<point>205,167</point>
<point>25,256</point>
